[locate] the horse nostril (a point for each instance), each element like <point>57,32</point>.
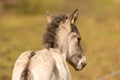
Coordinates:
<point>84,64</point>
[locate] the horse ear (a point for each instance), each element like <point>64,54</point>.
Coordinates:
<point>49,17</point>
<point>73,17</point>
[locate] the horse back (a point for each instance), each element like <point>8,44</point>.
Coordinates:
<point>20,66</point>
<point>42,65</point>
<point>30,65</point>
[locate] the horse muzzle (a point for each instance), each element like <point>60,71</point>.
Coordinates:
<point>81,63</point>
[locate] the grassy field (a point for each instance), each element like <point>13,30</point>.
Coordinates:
<point>98,23</point>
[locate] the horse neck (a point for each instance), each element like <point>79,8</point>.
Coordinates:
<point>63,48</point>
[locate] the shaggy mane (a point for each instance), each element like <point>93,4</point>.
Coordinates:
<point>49,37</point>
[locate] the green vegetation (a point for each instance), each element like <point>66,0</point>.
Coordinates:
<point>22,28</point>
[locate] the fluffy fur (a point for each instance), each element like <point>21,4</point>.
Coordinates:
<point>49,37</point>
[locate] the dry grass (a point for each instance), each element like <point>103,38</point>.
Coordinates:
<point>100,31</point>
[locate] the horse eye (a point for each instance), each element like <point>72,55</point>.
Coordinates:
<point>79,39</point>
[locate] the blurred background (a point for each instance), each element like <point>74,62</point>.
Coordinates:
<point>23,22</point>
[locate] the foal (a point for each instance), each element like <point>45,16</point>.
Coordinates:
<point>62,43</point>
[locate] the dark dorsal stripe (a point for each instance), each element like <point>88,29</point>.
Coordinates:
<point>26,74</point>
